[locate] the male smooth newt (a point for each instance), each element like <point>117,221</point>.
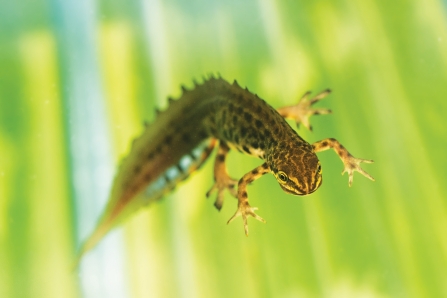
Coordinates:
<point>183,136</point>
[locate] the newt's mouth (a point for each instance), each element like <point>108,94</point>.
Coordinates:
<point>297,192</point>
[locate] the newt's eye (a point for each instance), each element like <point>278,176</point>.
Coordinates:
<point>319,169</point>
<point>282,177</point>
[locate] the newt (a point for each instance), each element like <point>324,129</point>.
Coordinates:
<point>183,136</point>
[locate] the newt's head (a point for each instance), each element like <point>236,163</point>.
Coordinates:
<point>297,170</point>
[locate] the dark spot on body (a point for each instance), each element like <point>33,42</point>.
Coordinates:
<point>258,123</point>
<point>324,144</point>
<point>244,194</point>
<point>234,119</point>
<point>246,149</point>
<point>221,157</point>
<point>186,138</point>
<point>230,107</point>
<point>254,172</point>
<point>240,110</point>
<point>248,117</point>
<point>224,116</point>
<point>267,134</point>
<point>243,131</point>
<point>168,140</point>
<point>181,170</point>
<point>253,136</point>
<point>167,179</point>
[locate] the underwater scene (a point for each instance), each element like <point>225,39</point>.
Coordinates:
<point>81,80</point>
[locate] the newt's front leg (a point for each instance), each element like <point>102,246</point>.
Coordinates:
<point>224,181</point>
<point>244,209</point>
<point>351,163</point>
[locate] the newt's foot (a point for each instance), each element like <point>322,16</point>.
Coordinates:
<point>302,111</point>
<point>352,164</point>
<point>222,182</point>
<point>244,209</point>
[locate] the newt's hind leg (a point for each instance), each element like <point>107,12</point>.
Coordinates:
<point>302,111</point>
<point>351,163</point>
<point>222,179</point>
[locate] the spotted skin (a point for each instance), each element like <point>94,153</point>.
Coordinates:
<point>182,137</point>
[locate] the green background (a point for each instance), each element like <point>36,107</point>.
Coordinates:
<point>79,78</point>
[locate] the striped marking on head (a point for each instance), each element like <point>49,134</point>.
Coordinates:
<point>297,171</point>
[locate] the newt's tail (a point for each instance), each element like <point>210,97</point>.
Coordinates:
<point>122,204</point>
